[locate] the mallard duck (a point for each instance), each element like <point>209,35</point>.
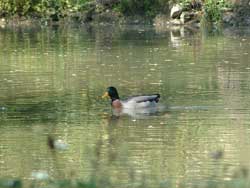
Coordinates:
<point>141,101</point>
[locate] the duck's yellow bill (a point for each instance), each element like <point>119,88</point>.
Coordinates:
<point>105,95</point>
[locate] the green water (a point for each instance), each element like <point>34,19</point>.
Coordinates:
<point>52,80</point>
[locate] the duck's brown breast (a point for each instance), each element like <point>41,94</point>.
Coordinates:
<point>117,104</point>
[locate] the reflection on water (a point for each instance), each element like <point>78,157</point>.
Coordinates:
<point>52,79</point>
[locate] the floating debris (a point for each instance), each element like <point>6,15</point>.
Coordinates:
<point>56,144</point>
<point>217,154</point>
<point>168,60</point>
<point>60,145</point>
<point>10,183</point>
<point>40,175</point>
<point>153,64</point>
<point>2,108</point>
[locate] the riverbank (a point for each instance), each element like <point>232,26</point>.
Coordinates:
<point>164,12</point>
<point>81,12</point>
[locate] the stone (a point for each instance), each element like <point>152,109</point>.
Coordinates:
<point>191,18</point>
<point>228,17</point>
<point>2,23</point>
<point>176,11</point>
<point>186,17</point>
<point>176,22</point>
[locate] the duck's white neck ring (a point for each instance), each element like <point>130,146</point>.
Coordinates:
<point>114,98</point>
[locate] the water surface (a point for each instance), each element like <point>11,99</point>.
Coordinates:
<point>52,79</point>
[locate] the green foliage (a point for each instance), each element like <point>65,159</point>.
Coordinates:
<point>55,9</point>
<point>142,7</point>
<point>52,8</point>
<point>213,9</point>
<point>60,8</point>
<point>44,8</point>
<point>20,7</point>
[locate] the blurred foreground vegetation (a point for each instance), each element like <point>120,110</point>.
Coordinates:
<point>8,183</point>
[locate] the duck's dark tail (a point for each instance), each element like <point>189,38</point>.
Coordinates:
<point>157,98</point>
<point>145,98</point>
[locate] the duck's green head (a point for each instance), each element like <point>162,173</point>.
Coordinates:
<point>112,93</point>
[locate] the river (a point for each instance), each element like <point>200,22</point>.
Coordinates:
<point>52,80</point>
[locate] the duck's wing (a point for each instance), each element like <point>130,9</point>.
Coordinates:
<point>144,98</point>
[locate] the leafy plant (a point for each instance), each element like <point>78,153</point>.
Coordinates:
<point>44,8</point>
<point>214,9</point>
<point>14,7</point>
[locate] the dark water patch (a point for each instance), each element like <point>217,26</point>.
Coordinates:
<point>35,108</point>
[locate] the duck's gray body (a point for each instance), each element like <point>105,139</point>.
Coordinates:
<point>141,101</point>
<point>144,98</point>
